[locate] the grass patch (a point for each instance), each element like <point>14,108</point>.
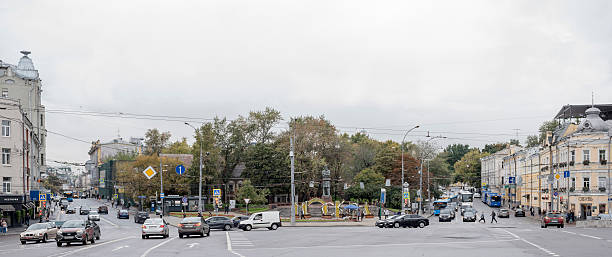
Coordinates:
<point>255,209</point>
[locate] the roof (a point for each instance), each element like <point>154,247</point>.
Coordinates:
<point>25,68</point>
<point>579,111</point>
<point>186,159</point>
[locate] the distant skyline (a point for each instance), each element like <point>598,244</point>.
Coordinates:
<point>474,71</point>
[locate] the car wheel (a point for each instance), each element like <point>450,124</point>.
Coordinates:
<point>202,234</point>
<point>59,244</point>
<point>396,225</point>
<point>421,224</point>
<point>93,240</point>
<point>147,237</point>
<point>98,237</point>
<point>180,235</point>
<point>227,227</point>
<point>208,233</point>
<point>143,237</point>
<point>561,226</point>
<point>23,242</point>
<point>85,241</point>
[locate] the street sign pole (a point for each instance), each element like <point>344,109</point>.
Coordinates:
<point>291,154</point>
<point>161,183</point>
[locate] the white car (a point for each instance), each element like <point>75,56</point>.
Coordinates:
<point>476,195</point>
<point>93,215</point>
<point>269,219</point>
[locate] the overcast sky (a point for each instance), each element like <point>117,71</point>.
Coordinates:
<point>470,70</point>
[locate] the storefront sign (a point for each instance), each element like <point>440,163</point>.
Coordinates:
<point>4,199</point>
<point>585,199</point>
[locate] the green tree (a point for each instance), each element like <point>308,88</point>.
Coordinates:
<point>532,141</point>
<point>155,141</point>
<point>261,124</point>
<point>267,165</point>
<point>467,170</point>
<point>494,148</point>
<point>248,191</point>
<point>440,171</point>
<point>546,127</point>
<point>455,152</point>
<point>372,181</point>
<point>53,183</point>
<point>178,147</point>
<point>388,161</point>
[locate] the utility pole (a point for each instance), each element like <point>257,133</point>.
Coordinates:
<point>161,183</point>
<point>550,167</point>
<point>608,162</point>
<point>292,155</point>
<point>421,187</point>
<point>200,206</point>
<point>402,147</point>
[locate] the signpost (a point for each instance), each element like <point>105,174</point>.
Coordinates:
<point>161,195</point>
<point>42,197</point>
<point>511,180</point>
<point>566,174</point>
<point>246,200</point>
<point>180,169</point>
<point>149,172</point>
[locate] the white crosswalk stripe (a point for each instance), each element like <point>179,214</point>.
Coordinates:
<point>239,240</point>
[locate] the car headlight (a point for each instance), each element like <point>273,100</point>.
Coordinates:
<point>80,231</point>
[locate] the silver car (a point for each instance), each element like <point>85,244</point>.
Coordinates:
<point>193,226</point>
<point>93,215</point>
<point>39,232</point>
<point>155,227</point>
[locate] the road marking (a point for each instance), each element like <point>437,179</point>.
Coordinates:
<point>594,237</point>
<point>192,245</point>
<point>535,245</point>
<point>109,222</point>
<point>89,247</point>
<point>120,247</point>
<point>229,245</point>
<point>585,235</point>
<point>158,245</point>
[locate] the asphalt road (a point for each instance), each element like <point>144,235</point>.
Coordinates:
<point>510,237</point>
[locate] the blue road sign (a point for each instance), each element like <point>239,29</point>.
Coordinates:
<point>566,174</point>
<point>42,197</point>
<point>142,197</point>
<point>184,199</point>
<point>217,192</point>
<point>161,195</point>
<point>556,194</point>
<point>180,169</point>
<point>511,180</point>
<point>383,196</point>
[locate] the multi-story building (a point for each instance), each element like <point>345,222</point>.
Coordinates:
<point>100,152</point>
<point>492,169</point>
<point>569,172</point>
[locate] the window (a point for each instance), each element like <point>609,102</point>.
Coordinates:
<point>586,155</point>
<point>6,128</point>
<point>6,185</point>
<point>41,119</point>
<point>601,182</point>
<point>573,183</point>
<point>573,156</point>
<point>42,159</point>
<point>6,156</point>
<point>602,155</point>
<point>5,92</point>
<point>586,183</point>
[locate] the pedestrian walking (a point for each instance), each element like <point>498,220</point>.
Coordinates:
<point>493,217</point>
<point>386,214</point>
<point>227,209</point>
<point>482,218</point>
<point>301,214</point>
<point>362,215</point>
<point>3,226</point>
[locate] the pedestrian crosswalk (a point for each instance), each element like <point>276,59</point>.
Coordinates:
<point>239,240</point>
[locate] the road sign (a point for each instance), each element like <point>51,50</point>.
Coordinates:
<point>180,169</point>
<point>116,196</point>
<point>556,194</point>
<point>142,197</point>
<point>406,195</point>
<point>149,172</point>
<point>511,180</point>
<point>161,195</point>
<point>184,199</point>
<point>566,174</point>
<point>383,193</point>
<point>42,197</point>
<point>217,192</point>
<point>246,200</point>
<point>557,176</point>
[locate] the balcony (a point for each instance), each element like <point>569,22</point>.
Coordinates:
<point>585,162</point>
<point>603,162</point>
<point>602,189</point>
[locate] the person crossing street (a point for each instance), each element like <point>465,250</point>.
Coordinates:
<point>493,217</point>
<point>482,218</point>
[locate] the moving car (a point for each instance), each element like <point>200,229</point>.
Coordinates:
<point>465,206</point>
<point>75,231</point>
<point>503,213</point>
<point>156,227</point>
<point>445,215</point>
<point>93,215</point>
<point>411,220</point>
<point>269,219</point>
<point>387,223</point>
<point>469,216</point>
<point>39,232</point>
<point>193,226</point>
<point>84,210</point>
<point>476,195</point>
<point>552,219</point>
<point>63,204</point>
<point>123,214</point>
<point>453,206</point>
<point>238,219</point>
<point>471,209</point>
<point>102,209</point>
<point>70,210</point>
<point>141,216</point>
<point>220,222</point>
<point>519,212</point>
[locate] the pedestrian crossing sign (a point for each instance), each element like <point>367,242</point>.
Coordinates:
<point>42,197</point>
<point>216,192</point>
<point>406,195</point>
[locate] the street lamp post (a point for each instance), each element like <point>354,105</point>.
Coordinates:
<point>402,146</point>
<point>200,187</point>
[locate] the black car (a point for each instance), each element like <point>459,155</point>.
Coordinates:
<point>84,210</point>
<point>141,216</point>
<point>446,215</point>
<point>238,219</point>
<point>519,213</point>
<point>103,209</point>
<point>123,214</point>
<point>411,220</point>
<point>220,222</point>
<point>70,210</point>
<point>469,216</point>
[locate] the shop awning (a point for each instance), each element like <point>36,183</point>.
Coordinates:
<point>7,207</point>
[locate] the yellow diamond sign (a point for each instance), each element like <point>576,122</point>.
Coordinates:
<point>149,172</point>
<point>557,176</point>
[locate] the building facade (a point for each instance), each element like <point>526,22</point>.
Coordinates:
<point>100,152</point>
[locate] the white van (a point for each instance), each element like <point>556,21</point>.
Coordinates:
<point>268,219</point>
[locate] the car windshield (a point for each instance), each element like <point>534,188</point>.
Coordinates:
<point>394,217</point>
<point>191,219</point>
<point>553,215</point>
<point>123,211</point>
<point>469,213</point>
<point>445,211</point>
<point>74,224</point>
<point>93,212</point>
<point>37,226</point>
<point>154,221</point>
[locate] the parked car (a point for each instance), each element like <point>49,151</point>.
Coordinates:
<point>476,195</point>
<point>123,214</point>
<point>103,209</point>
<point>193,226</point>
<point>519,212</point>
<point>445,215</point>
<point>503,213</point>
<point>411,220</point>
<point>84,210</point>
<point>75,231</point>
<point>269,219</point>
<point>238,219</point>
<point>93,215</point>
<point>70,210</point>
<point>220,222</point>
<point>552,219</point>
<point>469,216</point>
<point>602,216</point>
<point>39,232</point>
<point>387,223</point>
<point>156,227</point>
<point>141,216</point>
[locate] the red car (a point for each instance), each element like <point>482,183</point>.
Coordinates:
<point>76,231</point>
<point>552,219</point>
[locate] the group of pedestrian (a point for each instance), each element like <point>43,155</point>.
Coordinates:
<point>482,217</point>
